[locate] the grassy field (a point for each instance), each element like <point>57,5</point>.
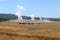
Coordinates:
<point>42,31</point>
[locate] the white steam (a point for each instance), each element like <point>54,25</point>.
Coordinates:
<point>32,16</point>
<point>19,14</point>
<point>21,9</point>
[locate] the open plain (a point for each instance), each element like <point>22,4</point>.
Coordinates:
<point>41,31</point>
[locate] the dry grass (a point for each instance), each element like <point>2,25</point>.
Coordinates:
<point>42,31</point>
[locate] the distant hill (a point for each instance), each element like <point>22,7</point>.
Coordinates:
<point>5,17</point>
<point>51,19</point>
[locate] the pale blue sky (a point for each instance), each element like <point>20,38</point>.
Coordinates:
<point>40,8</point>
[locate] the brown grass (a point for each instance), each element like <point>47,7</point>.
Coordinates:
<point>42,31</point>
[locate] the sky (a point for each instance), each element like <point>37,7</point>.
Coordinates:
<point>38,8</point>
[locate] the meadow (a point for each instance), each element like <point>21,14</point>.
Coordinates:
<point>41,31</point>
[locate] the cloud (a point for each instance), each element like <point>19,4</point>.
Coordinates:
<point>21,8</point>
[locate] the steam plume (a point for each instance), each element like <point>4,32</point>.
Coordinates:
<point>21,9</point>
<point>32,16</point>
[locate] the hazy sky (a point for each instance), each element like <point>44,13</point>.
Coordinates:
<point>40,8</point>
